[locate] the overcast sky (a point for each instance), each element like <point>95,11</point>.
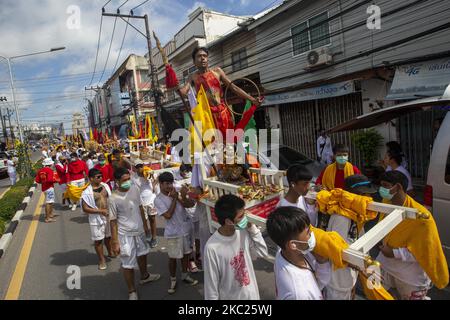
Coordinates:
<point>29,26</point>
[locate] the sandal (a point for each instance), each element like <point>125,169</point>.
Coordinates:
<point>193,267</point>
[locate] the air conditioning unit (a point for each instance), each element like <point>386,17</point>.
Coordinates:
<point>318,57</point>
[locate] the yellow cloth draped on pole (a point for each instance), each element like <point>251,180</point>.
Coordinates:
<point>330,174</point>
<point>421,238</point>
<point>91,135</point>
<point>201,114</point>
<point>330,245</point>
<point>155,125</point>
<point>149,130</point>
<point>74,192</point>
<point>346,204</point>
<point>375,293</point>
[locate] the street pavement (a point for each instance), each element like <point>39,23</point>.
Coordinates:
<point>67,243</point>
<point>55,247</point>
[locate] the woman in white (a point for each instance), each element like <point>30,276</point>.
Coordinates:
<point>11,170</point>
<point>393,161</point>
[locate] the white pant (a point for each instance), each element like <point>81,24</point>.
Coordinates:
<point>405,290</point>
<point>50,195</point>
<point>100,232</point>
<point>177,248</point>
<point>132,247</point>
<point>12,177</point>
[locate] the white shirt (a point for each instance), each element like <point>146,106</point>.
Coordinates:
<point>406,173</point>
<point>58,154</point>
<point>177,226</point>
<point>90,164</point>
<point>124,207</point>
<point>11,167</point>
<point>45,154</point>
<point>301,203</point>
<point>343,279</point>
<point>148,194</point>
<point>228,265</point>
<point>404,267</point>
<point>294,283</point>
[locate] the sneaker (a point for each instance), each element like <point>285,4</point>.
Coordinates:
<point>150,278</point>
<point>173,285</point>
<point>190,281</point>
<point>153,243</point>
<point>74,207</point>
<point>133,296</point>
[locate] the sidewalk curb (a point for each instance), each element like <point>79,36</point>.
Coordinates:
<point>7,236</point>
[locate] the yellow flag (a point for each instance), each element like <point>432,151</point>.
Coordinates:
<point>148,128</point>
<point>91,135</point>
<point>203,120</point>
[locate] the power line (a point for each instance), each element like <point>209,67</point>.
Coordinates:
<point>123,4</point>
<point>98,47</point>
<point>383,47</point>
<point>140,5</point>
<point>109,50</point>
<point>121,47</point>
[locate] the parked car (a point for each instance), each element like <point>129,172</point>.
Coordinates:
<point>3,166</point>
<point>437,190</point>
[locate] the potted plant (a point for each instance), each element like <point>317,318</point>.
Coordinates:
<point>368,143</point>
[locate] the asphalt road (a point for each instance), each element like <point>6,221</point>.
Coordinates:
<point>67,242</point>
<point>58,246</point>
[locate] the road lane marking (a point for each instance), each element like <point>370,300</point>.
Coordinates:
<point>19,273</point>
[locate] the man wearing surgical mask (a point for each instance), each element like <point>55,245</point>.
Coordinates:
<point>106,170</point>
<point>299,273</point>
<point>128,231</point>
<point>400,269</point>
<point>333,175</point>
<point>228,266</point>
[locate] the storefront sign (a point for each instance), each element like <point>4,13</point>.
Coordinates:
<point>322,92</point>
<point>420,80</point>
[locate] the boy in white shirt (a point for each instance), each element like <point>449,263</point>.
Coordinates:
<point>343,280</point>
<point>149,188</point>
<point>94,201</point>
<point>299,178</point>
<point>227,263</point>
<point>299,274</point>
<point>128,231</point>
<point>172,206</point>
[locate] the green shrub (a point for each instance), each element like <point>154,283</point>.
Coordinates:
<point>368,142</point>
<point>12,200</point>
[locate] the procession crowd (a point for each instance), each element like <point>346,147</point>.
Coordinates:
<point>123,198</point>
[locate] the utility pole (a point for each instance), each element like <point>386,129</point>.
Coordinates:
<point>152,69</point>
<point>11,129</point>
<point>5,137</point>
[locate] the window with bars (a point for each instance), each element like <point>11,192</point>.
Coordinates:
<point>311,34</point>
<point>239,59</point>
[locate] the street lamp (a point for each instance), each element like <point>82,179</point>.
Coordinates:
<point>8,59</point>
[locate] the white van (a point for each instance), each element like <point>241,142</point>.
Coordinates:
<point>437,190</point>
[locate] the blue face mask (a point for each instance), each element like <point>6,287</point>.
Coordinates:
<point>341,159</point>
<point>126,185</point>
<point>241,225</point>
<point>385,193</point>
